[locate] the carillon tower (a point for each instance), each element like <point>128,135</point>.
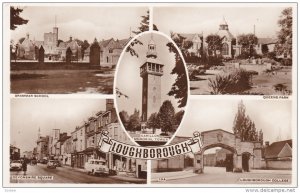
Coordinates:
<point>151,72</point>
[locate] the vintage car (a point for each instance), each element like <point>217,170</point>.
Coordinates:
<point>96,166</point>
<point>51,164</point>
<point>16,165</point>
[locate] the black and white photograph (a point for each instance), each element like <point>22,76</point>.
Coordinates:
<point>244,142</point>
<point>57,142</point>
<point>238,50</point>
<point>151,89</point>
<point>68,49</point>
<point>105,96</point>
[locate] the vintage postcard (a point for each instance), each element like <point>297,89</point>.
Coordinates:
<point>145,95</point>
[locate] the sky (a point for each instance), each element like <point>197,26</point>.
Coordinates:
<point>28,115</point>
<point>128,79</point>
<point>84,23</point>
<point>207,19</point>
<point>273,117</point>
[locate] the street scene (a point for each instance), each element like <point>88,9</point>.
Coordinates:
<point>251,143</point>
<point>57,52</point>
<point>64,143</point>
<point>230,50</point>
<point>66,174</point>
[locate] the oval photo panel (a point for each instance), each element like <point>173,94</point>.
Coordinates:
<point>151,89</point>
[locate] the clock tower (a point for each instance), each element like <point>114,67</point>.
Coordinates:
<point>151,72</point>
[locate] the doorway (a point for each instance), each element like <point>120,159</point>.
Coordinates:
<point>245,161</point>
<point>229,162</point>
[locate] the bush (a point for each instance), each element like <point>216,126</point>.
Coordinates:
<point>214,61</point>
<point>235,82</point>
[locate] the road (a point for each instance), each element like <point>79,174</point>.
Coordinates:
<point>218,175</point>
<point>60,175</point>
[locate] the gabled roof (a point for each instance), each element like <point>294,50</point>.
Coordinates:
<point>225,33</point>
<point>187,36</point>
<point>275,148</point>
<point>266,41</point>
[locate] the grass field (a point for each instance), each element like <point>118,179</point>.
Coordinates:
<point>62,81</point>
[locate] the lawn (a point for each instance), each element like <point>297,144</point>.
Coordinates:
<point>262,84</point>
<point>62,81</point>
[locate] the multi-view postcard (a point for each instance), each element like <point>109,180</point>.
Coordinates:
<point>150,95</point>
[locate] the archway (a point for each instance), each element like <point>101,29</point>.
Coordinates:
<point>242,158</point>
<point>245,161</point>
<point>223,160</point>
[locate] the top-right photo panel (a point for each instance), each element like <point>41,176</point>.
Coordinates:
<point>232,50</point>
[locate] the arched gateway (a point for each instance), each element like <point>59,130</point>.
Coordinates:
<point>245,155</point>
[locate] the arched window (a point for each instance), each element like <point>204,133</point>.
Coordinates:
<point>225,49</point>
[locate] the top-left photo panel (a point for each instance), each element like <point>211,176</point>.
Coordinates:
<point>69,49</point>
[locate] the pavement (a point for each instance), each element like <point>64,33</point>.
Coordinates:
<point>218,175</point>
<point>122,177</point>
<point>165,176</point>
<point>66,174</point>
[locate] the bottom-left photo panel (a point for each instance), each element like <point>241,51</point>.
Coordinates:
<point>57,141</point>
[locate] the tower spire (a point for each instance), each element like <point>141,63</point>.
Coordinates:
<point>151,53</point>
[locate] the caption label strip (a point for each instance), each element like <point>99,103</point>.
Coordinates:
<point>106,145</point>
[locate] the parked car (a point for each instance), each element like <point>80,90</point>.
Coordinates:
<point>96,166</point>
<point>51,164</point>
<point>16,165</point>
<point>57,163</point>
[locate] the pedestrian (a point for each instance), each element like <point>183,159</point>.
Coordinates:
<point>24,166</point>
<point>72,163</point>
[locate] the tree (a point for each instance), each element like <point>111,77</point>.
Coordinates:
<point>285,35</point>
<point>84,46</point>
<point>134,121</point>
<point>166,116</point>
<point>15,18</point>
<point>144,26</point>
<point>214,43</point>
<point>178,117</point>
<point>153,122</point>
<point>21,40</point>
<point>124,117</point>
<point>179,89</point>
<point>244,127</point>
<point>247,41</point>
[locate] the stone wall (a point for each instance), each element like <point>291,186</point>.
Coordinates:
<point>279,164</point>
<point>218,137</point>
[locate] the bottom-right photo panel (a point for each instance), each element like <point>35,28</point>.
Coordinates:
<point>243,142</point>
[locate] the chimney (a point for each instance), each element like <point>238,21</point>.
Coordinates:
<point>267,143</point>
<point>109,104</point>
